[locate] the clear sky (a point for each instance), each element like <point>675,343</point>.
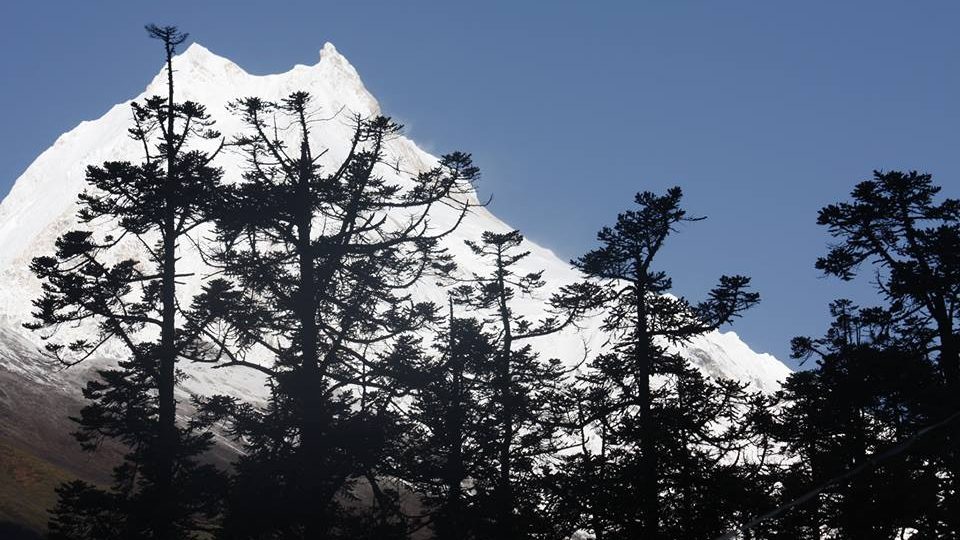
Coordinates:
<point>762,111</point>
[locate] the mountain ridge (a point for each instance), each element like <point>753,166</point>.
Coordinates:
<point>42,204</point>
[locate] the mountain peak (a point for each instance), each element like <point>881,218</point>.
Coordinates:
<point>198,55</point>
<point>196,64</point>
<point>329,51</point>
<point>42,205</point>
<point>196,50</point>
<point>330,55</point>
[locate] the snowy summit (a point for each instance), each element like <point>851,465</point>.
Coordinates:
<point>42,205</point>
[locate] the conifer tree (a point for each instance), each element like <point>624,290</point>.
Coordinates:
<point>868,391</point>
<point>321,294</point>
<point>883,376</point>
<point>525,390</point>
<point>447,445</point>
<point>895,223</point>
<point>636,415</point>
<point>160,490</point>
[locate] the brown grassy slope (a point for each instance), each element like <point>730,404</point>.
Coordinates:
<point>27,485</point>
<point>37,451</point>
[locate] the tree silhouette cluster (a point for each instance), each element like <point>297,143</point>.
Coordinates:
<point>389,416</point>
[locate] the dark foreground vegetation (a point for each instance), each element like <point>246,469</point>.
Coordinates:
<point>390,417</point>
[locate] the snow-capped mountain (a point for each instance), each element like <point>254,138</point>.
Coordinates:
<point>42,205</point>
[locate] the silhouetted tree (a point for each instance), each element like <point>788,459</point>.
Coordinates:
<point>894,223</point>
<point>883,375</point>
<point>868,391</point>
<point>525,391</point>
<point>448,445</point>
<point>643,431</point>
<point>160,491</point>
<point>323,262</point>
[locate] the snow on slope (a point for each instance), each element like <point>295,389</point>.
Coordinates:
<point>42,206</point>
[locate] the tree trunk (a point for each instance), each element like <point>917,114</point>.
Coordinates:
<point>649,489</point>
<point>504,382</point>
<point>308,389</point>
<point>451,526</point>
<point>949,353</point>
<point>814,504</point>
<point>166,415</point>
<point>592,479</point>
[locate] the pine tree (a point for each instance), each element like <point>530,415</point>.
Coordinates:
<point>868,391</point>
<point>488,408</point>
<point>637,417</point>
<point>321,291</point>
<point>160,491</point>
<point>447,445</point>
<point>895,222</point>
<point>525,390</point>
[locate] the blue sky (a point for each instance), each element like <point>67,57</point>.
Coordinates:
<point>762,111</point>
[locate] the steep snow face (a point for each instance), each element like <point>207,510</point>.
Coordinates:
<point>42,205</point>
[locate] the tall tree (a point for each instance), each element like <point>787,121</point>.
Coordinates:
<point>323,264</point>
<point>895,223</point>
<point>641,321</point>
<point>525,389</point>
<point>448,445</point>
<point>157,202</point>
<point>868,391</point>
